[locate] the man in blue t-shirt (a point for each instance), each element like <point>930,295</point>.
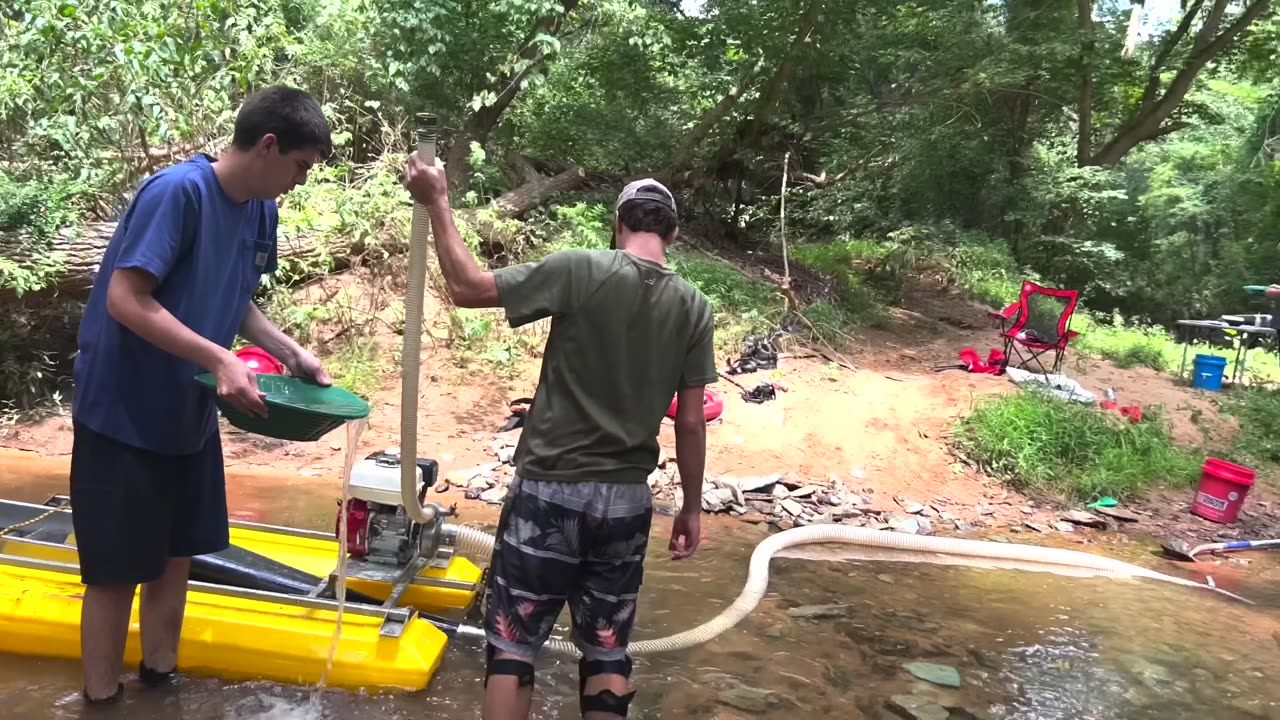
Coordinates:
<point>174,289</point>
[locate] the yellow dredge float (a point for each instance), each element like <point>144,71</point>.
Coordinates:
<point>238,633</point>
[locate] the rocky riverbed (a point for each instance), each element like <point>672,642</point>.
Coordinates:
<point>787,500</point>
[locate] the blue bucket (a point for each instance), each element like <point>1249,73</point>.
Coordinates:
<point>1206,372</point>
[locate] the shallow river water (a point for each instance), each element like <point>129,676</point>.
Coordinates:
<point>1027,646</point>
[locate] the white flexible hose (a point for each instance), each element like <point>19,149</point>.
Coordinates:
<point>983,553</point>
<point>419,238</point>
<point>472,543</point>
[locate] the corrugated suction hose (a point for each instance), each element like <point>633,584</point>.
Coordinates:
<point>982,553</point>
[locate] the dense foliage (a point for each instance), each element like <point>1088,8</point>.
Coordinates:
<point>985,141</point>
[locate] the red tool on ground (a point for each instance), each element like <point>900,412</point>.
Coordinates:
<point>1133,412</point>
<point>994,365</point>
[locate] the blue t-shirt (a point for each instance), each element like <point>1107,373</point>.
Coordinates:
<point>208,253</point>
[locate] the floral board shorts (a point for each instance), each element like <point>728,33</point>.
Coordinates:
<point>580,542</point>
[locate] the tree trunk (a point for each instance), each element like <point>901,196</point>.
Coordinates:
<point>524,170</point>
<point>683,157</point>
<point>1084,137</point>
<point>778,83</point>
<point>482,122</point>
<point>1148,122</point>
<point>530,195</point>
<point>1135,26</point>
<point>83,255</point>
<point>751,129</point>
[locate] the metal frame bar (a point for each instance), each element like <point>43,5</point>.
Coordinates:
<point>6,539</point>
<point>443,583</point>
<point>282,530</point>
<point>401,615</point>
<point>33,506</point>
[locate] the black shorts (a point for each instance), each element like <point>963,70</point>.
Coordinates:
<point>133,509</point>
<point>578,542</point>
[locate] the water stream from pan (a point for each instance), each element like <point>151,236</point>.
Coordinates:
<point>355,429</point>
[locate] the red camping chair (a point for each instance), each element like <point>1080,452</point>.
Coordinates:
<point>1038,323</point>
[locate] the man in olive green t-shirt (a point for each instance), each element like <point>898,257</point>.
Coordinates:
<point>626,334</point>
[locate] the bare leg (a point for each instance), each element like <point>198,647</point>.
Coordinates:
<point>164,602</point>
<point>104,629</point>
<point>599,683</point>
<point>504,699</point>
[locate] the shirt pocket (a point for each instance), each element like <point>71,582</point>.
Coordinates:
<point>253,259</point>
<point>261,253</point>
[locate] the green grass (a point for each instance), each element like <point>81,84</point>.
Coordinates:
<point>1257,411</point>
<point>1127,345</point>
<point>742,305</point>
<point>484,336</point>
<point>357,366</point>
<point>1042,444</point>
<point>839,257</point>
<point>859,303</point>
<point>983,267</point>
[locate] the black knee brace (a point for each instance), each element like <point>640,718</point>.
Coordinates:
<point>605,701</point>
<point>506,666</point>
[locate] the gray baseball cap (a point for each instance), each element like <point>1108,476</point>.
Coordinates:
<point>659,193</point>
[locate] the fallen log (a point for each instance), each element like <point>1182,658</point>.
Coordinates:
<point>81,253</point>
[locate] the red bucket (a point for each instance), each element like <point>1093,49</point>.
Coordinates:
<point>1223,487</point>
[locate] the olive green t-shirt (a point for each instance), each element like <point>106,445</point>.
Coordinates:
<point>626,334</point>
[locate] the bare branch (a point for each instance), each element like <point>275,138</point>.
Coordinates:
<point>1211,24</point>
<point>1135,26</point>
<point>1166,49</point>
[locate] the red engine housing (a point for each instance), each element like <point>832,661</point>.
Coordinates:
<point>357,527</point>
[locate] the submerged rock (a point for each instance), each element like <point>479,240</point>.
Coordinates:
<point>943,675</point>
<point>731,691</point>
<point>818,612</point>
<point>915,707</point>
<point>747,698</point>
